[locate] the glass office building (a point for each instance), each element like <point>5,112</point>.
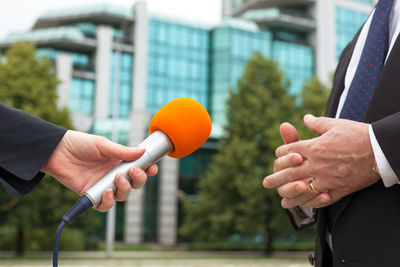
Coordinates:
<point>178,63</point>
<point>117,66</point>
<point>232,44</point>
<point>325,25</point>
<point>347,24</point>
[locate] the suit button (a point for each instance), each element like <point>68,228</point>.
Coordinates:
<point>311,259</point>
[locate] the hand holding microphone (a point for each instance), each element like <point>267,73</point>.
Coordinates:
<point>177,129</point>
<point>81,159</point>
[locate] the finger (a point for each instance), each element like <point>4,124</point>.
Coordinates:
<point>312,203</point>
<point>288,133</point>
<point>138,177</point>
<point>287,175</point>
<point>109,149</point>
<point>123,188</point>
<point>322,200</point>
<point>291,190</point>
<point>107,201</point>
<point>319,125</point>
<point>152,170</point>
<point>296,147</point>
<point>287,161</point>
<point>307,197</point>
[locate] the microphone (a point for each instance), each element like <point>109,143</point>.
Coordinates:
<point>177,129</point>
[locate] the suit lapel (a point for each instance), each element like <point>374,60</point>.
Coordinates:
<point>339,77</point>
<point>386,98</point>
<point>386,92</point>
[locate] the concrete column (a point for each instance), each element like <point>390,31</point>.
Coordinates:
<point>168,202</point>
<point>357,6</point>
<point>64,74</point>
<point>133,231</point>
<point>140,58</point>
<point>104,37</point>
<point>133,226</point>
<point>325,39</point>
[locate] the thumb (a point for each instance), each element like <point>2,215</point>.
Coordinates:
<point>109,149</point>
<point>319,125</point>
<point>288,133</point>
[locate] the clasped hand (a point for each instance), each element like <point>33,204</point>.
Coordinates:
<point>338,162</point>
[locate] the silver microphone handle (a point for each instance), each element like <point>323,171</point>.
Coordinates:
<point>157,145</point>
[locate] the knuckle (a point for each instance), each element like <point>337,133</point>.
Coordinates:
<point>275,169</point>
<point>101,209</point>
<point>287,203</point>
<point>135,185</point>
<point>315,148</point>
<point>280,193</point>
<point>101,139</point>
<point>293,158</point>
<point>277,152</point>
<point>290,174</point>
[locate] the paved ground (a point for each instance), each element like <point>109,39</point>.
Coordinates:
<point>158,259</point>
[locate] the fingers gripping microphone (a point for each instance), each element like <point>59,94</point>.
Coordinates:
<point>177,129</point>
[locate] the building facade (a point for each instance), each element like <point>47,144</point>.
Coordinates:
<point>117,66</point>
<point>326,25</point>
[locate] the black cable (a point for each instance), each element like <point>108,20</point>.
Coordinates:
<point>82,205</point>
<point>57,243</point>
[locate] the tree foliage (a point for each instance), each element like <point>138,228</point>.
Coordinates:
<point>313,97</point>
<point>231,198</point>
<point>27,83</point>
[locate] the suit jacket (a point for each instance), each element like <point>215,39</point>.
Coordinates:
<point>366,227</point>
<point>26,142</point>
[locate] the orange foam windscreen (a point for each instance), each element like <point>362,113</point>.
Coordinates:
<point>186,122</point>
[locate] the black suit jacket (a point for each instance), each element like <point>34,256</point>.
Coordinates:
<point>366,228</point>
<point>26,142</point>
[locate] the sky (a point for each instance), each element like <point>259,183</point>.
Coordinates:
<point>19,15</point>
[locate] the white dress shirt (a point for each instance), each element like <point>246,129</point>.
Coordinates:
<point>388,176</point>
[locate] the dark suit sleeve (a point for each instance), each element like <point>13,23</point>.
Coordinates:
<point>26,142</point>
<point>387,133</point>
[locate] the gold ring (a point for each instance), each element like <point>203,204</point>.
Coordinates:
<point>312,187</point>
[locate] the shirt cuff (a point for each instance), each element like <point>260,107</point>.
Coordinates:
<point>388,176</point>
<point>301,217</point>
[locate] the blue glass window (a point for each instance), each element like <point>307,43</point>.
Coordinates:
<point>231,49</point>
<point>81,61</point>
<point>121,76</point>
<point>47,52</point>
<point>81,96</point>
<point>347,24</point>
<point>178,63</point>
<point>296,61</point>
<point>364,1</point>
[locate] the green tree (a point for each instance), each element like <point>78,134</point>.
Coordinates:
<point>27,83</point>
<point>231,198</point>
<point>313,98</point>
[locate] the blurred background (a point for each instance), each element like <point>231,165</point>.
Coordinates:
<point>105,67</point>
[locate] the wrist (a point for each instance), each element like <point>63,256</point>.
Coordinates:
<point>50,167</point>
<point>386,172</point>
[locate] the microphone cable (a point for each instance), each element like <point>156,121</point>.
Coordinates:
<point>82,205</point>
